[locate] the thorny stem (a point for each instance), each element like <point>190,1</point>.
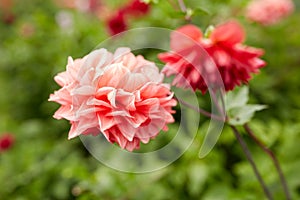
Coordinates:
<point>251,161</point>
<point>201,111</point>
<point>273,157</point>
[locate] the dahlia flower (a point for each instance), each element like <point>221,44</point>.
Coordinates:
<point>189,59</point>
<point>118,95</point>
<point>269,12</point>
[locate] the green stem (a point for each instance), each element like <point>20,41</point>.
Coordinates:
<point>251,161</point>
<point>184,10</point>
<point>182,5</point>
<point>273,157</point>
<point>201,111</point>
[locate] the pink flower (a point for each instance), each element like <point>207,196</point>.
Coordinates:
<point>27,30</point>
<point>6,141</point>
<point>189,62</point>
<point>80,5</point>
<point>94,5</point>
<point>269,12</point>
<point>118,95</point>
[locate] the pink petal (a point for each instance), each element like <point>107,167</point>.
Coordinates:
<point>112,75</point>
<point>132,81</point>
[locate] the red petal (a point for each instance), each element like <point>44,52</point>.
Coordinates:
<point>185,37</point>
<point>168,57</point>
<point>228,34</point>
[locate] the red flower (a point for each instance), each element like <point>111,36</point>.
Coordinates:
<point>189,60</point>
<point>136,8</point>
<point>6,141</point>
<point>6,10</point>
<point>117,24</point>
<point>9,18</point>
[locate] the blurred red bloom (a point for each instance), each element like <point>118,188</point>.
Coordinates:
<point>6,10</point>
<point>6,141</point>
<point>9,18</point>
<point>117,24</point>
<point>190,52</point>
<point>136,8</point>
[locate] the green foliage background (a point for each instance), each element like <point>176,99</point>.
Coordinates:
<point>43,164</point>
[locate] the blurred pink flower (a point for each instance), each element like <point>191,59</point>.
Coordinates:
<point>65,21</point>
<point>27,30</point>
<point>189,59</point>
<point>269,12</point>
<point>80,5</point>
<point>94,5</point>
<point>119,95</point>
<point>6,141</point>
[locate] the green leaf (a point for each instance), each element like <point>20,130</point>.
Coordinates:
<point>238,111</point>
<point>201,11</point>
<point>243,114</point>
<point>177,15</point>
<point>237,98</point>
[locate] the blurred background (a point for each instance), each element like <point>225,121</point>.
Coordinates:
<point>38,162</point>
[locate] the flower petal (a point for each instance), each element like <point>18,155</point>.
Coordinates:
<point>228,34</point>
<point>185,36</point>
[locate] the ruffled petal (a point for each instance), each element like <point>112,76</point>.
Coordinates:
<point>185,36</point>
<point>228,34</point>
